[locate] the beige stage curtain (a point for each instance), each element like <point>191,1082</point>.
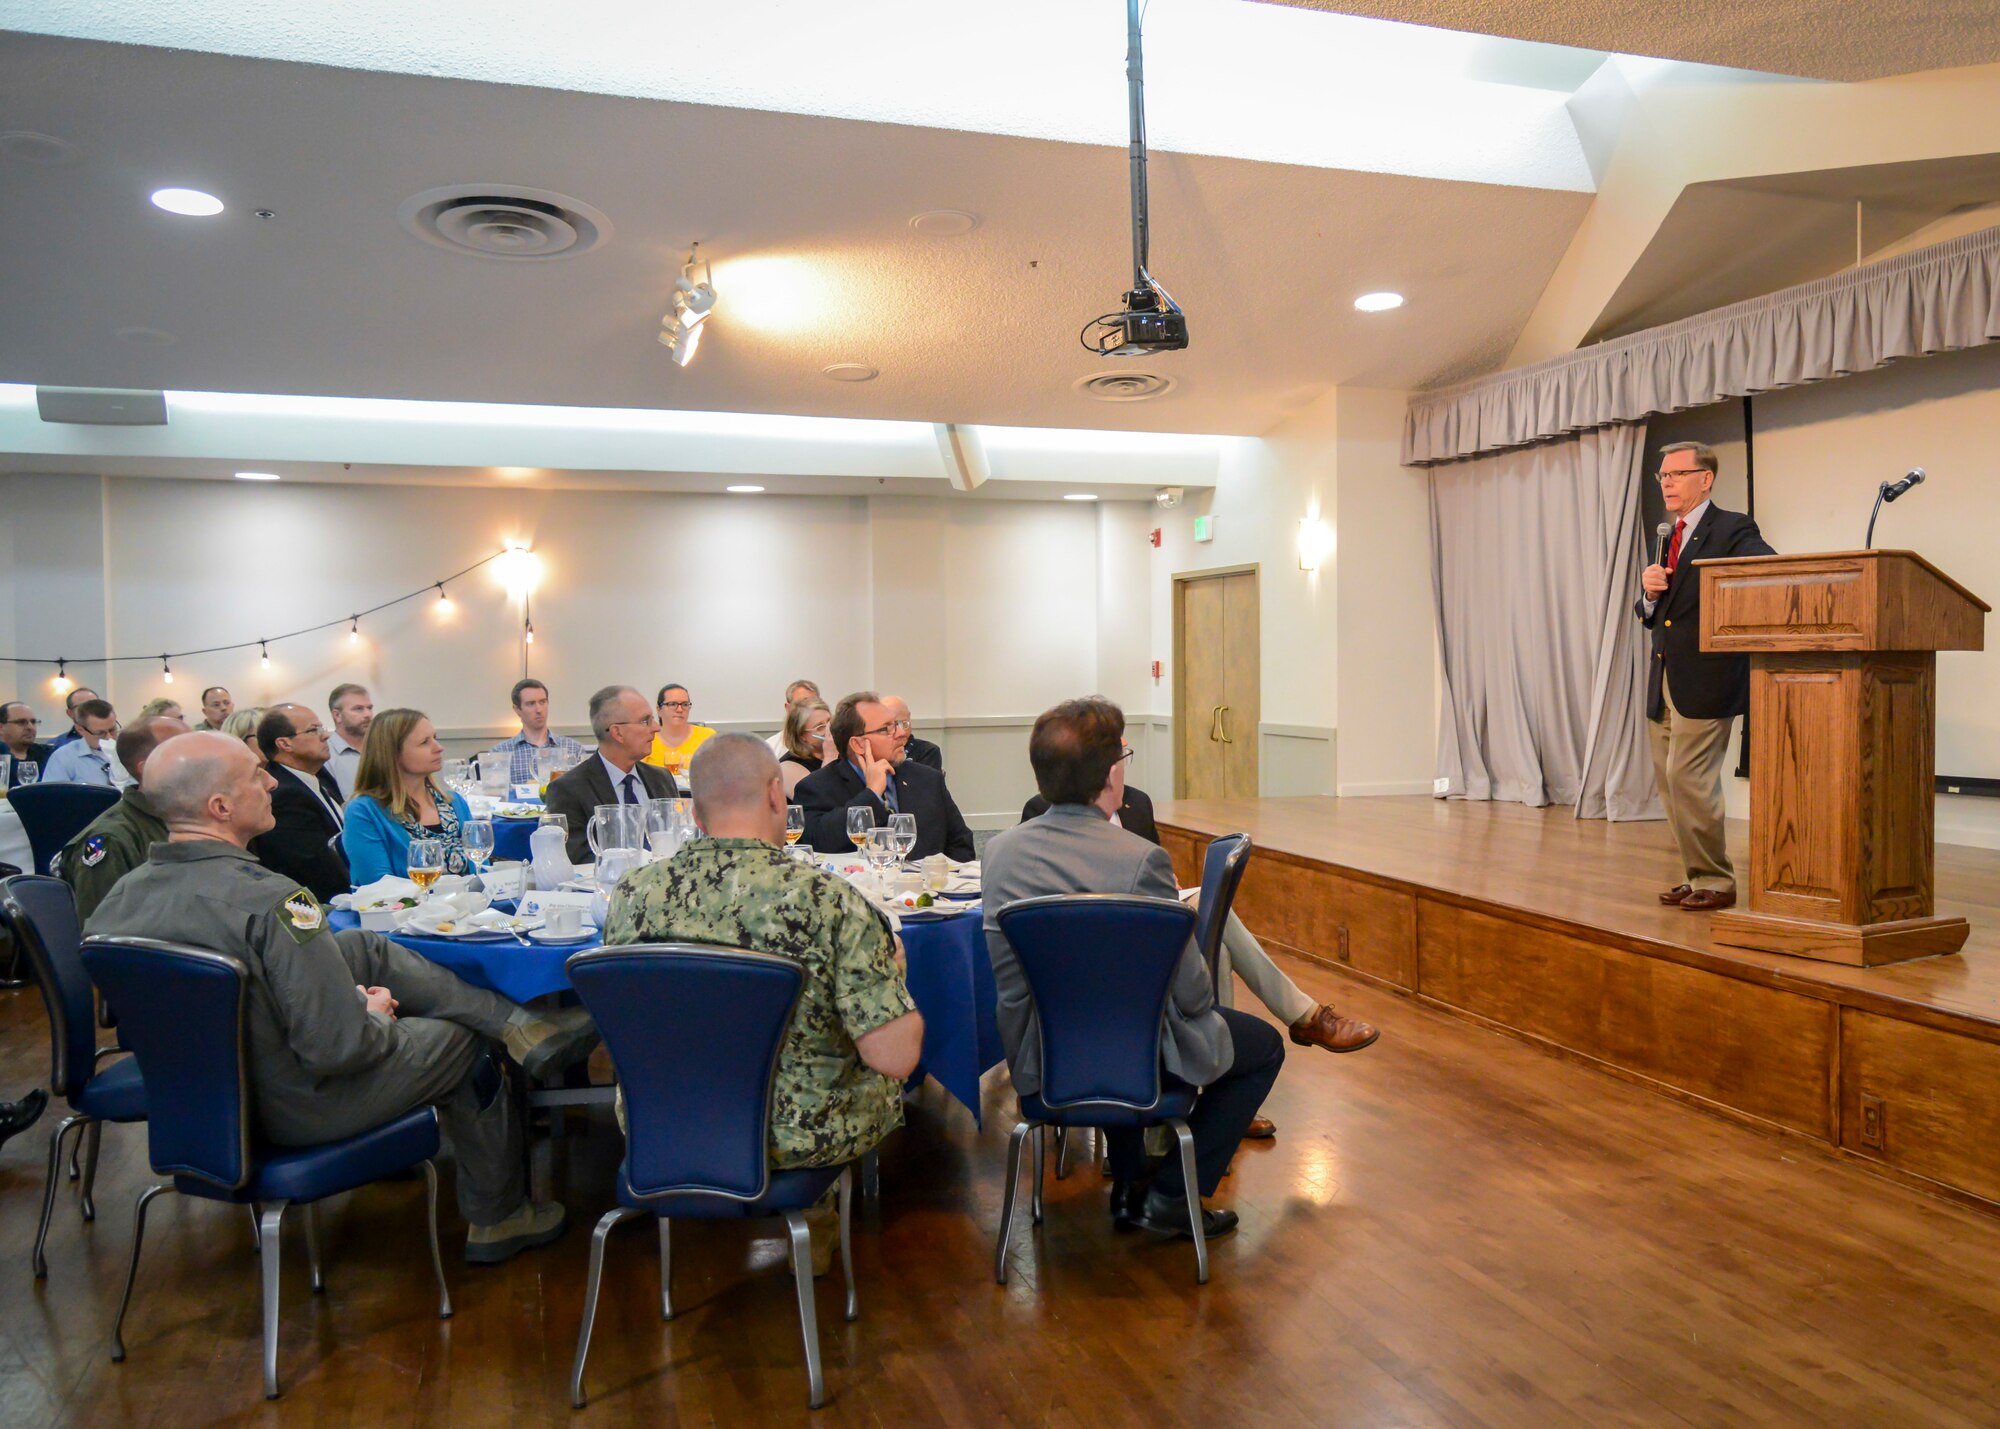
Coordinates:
<point>1935,299</point>
<point>1535,559</point>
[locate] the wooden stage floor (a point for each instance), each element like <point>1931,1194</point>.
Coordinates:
<point>1550,927</point>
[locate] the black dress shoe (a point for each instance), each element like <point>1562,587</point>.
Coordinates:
<point>1168,1215</point>
<point>17,1117</point>
<point>1128,1198</point>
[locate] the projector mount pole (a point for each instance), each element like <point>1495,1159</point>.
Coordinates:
<point>1135,83</point>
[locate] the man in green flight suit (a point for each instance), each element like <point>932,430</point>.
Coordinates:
<point>329,1054</point>
<point>857,1035</point>
<point>115,842</point>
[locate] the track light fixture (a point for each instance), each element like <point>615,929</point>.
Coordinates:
<point>680,330</point>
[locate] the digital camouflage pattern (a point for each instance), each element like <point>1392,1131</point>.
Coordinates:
<point>114,843</point>
<point>827,1105</point>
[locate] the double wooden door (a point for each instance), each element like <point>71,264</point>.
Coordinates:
<point>1216,683</point>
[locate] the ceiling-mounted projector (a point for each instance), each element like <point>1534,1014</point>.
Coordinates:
<point>1151,321</point>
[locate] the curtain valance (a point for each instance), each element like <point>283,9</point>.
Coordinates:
<point>1935,299</point>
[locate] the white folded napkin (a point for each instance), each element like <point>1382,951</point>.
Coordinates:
<point>382,893</point>
<point>450,913</point>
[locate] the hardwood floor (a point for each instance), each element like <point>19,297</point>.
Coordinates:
<point>1451,1229</point>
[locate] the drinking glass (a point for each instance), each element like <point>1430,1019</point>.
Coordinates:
<point>494,771</point>
<point>30,770</point>
<point>426,861</point>
<point>561,821</point>
<point>664,833</point>
<point>860,819</point>
<point>880,851</point>
<point>795,823</point>
<point>478,839</point>
<point>904,827</point>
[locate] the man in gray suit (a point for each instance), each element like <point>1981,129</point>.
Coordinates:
<point>1078,753</point>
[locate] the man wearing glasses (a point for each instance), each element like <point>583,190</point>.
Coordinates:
<point>18,727</point>
<point>624,727</point>
<point>1692,697</point>
<point>875,774</point>
<point>91,759</point>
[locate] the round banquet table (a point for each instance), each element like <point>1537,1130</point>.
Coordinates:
<point>950,978</point>
<point>510,840</point>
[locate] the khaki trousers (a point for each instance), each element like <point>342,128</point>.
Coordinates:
<point>1245,957</point>
<point>1687,763</point>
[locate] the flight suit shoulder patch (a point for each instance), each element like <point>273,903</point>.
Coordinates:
<point>302,916</point>
<point>94,850</point>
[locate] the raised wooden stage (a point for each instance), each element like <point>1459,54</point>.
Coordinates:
<point>1550,928</point>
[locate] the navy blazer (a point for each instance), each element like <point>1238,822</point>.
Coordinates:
<point>303,842</point>
<point>825,795</point>
<point>1136,813</point>
<point>1705,686</point>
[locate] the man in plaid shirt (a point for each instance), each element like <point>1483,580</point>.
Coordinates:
<point>531,703</point>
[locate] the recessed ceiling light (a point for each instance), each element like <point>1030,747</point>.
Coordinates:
<point>1378,302</point>
<point>1078,496</point>
<point>258,476</point>
<point>743,490</point>
<point>944,223</point>
<point>851,372</point>
<point>189,203</point>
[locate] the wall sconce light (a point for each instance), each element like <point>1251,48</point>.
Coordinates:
<point>1315,541</point>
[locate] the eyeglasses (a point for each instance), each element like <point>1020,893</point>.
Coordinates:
<point>890,728</point>
<point>1124,755</point>
<point>1665,476</point>
<point>21,719</point>
<point>309,731</point>
<point>651,721</point>
<point>676,704</point>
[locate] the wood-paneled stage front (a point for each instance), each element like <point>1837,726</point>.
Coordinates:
<point>1550,928</point>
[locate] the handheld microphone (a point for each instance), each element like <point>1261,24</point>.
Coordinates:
<point>1892,490</point>
<point>1663,531</point>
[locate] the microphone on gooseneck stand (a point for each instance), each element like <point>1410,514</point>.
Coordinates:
<point>1889,491</point>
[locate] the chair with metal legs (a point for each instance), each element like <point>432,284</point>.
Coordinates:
<point>695,1032</point>
<point>1099,969</point>
<point>40,913</point>
<point>182,1015</point>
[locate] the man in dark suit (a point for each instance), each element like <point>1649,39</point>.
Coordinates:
<point>921,750</point>
<point>1136,813</point>
<point>18,727</point>
<point>876,774</point>
<point>623,723</point>
<point>1693,698</point>
<point>303,842</point>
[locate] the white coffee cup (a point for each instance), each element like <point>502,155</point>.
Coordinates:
<point>564,920</point>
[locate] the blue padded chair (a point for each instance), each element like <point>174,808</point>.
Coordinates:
<point>41,914</point>
<point>53,814</point>
<point>183,1019</point>
<point>695,1032</point>
<point>1221,871</point>
<point>1100,968</point>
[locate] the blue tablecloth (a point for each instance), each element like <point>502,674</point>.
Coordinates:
<point>950,977</point>
<point>510,838</point>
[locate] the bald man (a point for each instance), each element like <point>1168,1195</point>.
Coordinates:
<point>921,750</point>
<point>346,1030</point>
<point>115,842</point>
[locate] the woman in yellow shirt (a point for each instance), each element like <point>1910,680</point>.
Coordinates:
<point>678,739</point>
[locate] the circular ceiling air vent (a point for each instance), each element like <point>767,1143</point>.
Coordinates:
<point>850,372</point>
<point>504,221</point>
<point>944,223</point>
<point>1124,386</point>
<point>31,147</point>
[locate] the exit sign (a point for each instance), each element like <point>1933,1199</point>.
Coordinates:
<point>1204,528</point>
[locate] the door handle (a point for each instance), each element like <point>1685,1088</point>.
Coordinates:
<point>1215,725</point>
<point>1222,714</point>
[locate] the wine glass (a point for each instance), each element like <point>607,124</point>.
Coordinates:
<point>880,851</point>
<point>478,840</point>
<point>860,820</point>
<point>904,828</point>
<point>426,861</point>
<point>795,823</point>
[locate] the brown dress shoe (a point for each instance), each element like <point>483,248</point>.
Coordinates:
<point>1707,900</point>
<point>1261,1128</point>
<point>1676,894</point>
<point>1323,1027</point>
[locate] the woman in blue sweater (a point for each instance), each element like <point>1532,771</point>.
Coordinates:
<point>398,797</point>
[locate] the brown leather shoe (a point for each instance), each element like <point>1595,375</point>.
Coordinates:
<point>1323,1027</point>
<point>1676,894</point>
<point>1707,900</point>
<point>1262,1128</point>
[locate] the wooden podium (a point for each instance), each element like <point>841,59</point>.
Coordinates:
<point>1843,743</point>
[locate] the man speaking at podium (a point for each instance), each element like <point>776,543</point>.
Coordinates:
<point>1692,698</point>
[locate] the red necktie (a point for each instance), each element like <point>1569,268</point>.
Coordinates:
<point>1674,548</point>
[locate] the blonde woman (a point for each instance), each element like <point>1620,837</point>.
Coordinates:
<point>242,724</point>
<point>808,746</point>
<point>154,709</point>
<point>397,797</point>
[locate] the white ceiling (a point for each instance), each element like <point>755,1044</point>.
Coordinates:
<point>806,216</point>
<point>1815,39</point>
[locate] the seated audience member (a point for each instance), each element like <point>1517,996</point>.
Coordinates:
<point>154,709</point>
<point>93,758</point>
<point>921,750</point>
<point>618,774</point>
<point>531,705</point>
<point>794,692</point>
<point>398,797</point>
<point>1311,1024</point>
<point>352,708</point>
<point>874,774</point>
<point>857,1034</point>
<point>807,744</point>
<point>678,737</point>
<point>1078,754</point>
<point>242,724</point>
<point>345,1030</point>
<point>216,707</point>
<point>116,841</point>
<point>17,1117</point>
<point>17,733</point>
<point>303,842</point>
<point>72,702</point>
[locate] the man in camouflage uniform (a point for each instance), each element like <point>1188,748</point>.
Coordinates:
<point>329,1057</point>
<point>857,1035</point>
<point>115,842</point>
